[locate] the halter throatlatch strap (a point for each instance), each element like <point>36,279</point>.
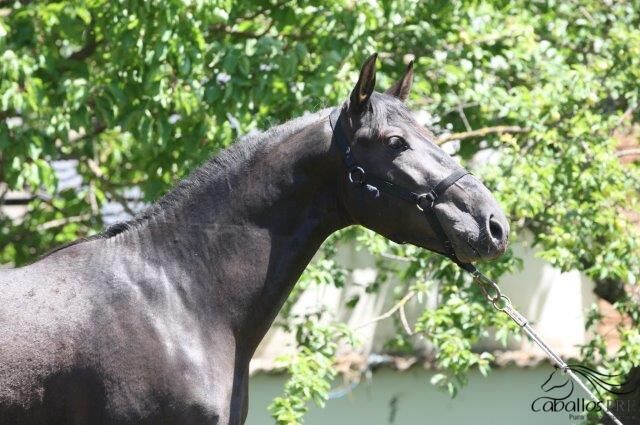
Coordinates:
<point>425,202</point>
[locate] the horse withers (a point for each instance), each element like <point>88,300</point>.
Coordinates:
<point>155,320</point>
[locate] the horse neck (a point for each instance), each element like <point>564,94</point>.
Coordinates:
<point>247,234</point>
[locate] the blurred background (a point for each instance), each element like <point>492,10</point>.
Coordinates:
<point>104,105</point>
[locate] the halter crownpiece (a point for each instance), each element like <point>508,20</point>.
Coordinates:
<point>426,202</point>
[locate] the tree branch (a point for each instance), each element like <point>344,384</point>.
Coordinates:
<point>481,132</point>
<point>4,189</point>
<point>244,34</point>
<point>400,304</point>
<point>626,116</point>
<point>628,152</point>
<point>88,49</point>
<point>397,257</point>
<point>404,321</point>
<point>85,51</point>
<point>97,129</point>
<point>62,222</point>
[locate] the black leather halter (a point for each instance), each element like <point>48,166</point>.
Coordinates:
<point>425,202</point>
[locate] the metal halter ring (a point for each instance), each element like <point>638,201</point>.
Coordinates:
<point>357,175</point>
<point>488,287</point>
<point>425,201</point>
<point>501,303</point>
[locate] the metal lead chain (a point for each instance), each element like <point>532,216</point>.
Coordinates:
<point>502,303</point>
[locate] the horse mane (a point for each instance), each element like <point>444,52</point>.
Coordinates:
<point>229,158</point>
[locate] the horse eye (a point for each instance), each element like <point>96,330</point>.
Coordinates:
<point>397,143</point>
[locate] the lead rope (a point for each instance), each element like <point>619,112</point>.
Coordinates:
<point>502,303</point>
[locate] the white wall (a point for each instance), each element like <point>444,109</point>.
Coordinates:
<point>504,397</point>
<point>554,302</point>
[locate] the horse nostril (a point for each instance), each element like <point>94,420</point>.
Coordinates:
<point>495,229</point>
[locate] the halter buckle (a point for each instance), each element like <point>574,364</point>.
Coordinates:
<point>357,175</point>
<point>426,201</point>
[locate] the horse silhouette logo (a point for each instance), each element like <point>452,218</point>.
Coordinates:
<point>559,387</point>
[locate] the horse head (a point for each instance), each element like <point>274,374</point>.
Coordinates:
<point>388,142</point>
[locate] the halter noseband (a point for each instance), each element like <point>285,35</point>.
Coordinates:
<point>425,202</point>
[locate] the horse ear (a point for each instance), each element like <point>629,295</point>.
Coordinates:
<point>402,87</point>
<point>365,85</point>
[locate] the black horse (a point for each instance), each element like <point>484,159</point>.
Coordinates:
<point>155,320</point>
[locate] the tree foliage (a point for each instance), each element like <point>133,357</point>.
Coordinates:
<point>139,93</point>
